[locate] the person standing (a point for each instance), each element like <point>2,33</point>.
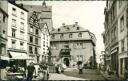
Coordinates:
<point>80,69</point>
<point>30,71</point>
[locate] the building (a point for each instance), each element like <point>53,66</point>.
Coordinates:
<point>71,44</point>
<point>115,36</point>
<point>45,43</point>
<point>3,39</point>
<point>40,20</point>
<point>17,30</point>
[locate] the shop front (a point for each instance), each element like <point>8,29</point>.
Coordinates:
<point>17,65</point>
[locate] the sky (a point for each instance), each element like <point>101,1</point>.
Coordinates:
<point>88,14</point>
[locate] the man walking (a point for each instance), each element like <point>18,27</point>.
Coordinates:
<point>30,71</point>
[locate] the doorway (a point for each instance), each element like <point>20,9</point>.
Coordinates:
<point>66,61</point>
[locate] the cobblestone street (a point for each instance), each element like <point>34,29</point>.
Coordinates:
<point>55,76</point>
<point>88,74</point>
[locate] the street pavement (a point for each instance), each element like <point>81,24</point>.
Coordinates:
<point>56,76</point>
<point>110,77</point>
<point>88,74</point>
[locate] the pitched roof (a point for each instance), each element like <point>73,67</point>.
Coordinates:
<point>38,8</point>
<point>69,28</point>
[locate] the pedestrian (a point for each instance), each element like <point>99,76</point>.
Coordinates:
<point>30,71</point>
<point>80,69</point>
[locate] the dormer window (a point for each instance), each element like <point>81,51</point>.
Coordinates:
<point>79,34</point>
<point>78,28</point>
<point>58,29</point>
<point>68,28</point>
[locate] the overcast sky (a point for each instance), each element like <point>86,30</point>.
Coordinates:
<point>88,14</point>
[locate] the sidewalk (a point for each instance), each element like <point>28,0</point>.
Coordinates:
<point>109,77</point>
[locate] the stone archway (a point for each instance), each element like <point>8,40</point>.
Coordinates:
<point>66,61</point>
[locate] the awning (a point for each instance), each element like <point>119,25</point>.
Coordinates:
<point>19,56</point>
<point>4,58</point>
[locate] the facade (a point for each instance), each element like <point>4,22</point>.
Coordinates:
<point>71,44</point>
<point>115,36</point>
<point>3,39</point>
<point>17,29</point>
<point>45,43</point>
<point>40,20</point>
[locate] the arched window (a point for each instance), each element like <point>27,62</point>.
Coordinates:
<point>70,35</point>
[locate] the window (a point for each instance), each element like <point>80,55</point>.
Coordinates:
<point>61,36</point>
<point>37,31</point>
<point>70,35</point>
<point>31,39</point>
<point>4,33</point>
<point>13,44</point>
<point>74,45</point>
<point>68,28</point>
<point>30,49</point>
<point>120,3</point>
<point>4,18</point>
<point>122,45</point>
<point>79,34</point>
<point>36,51</point>
<point>14,22</point>
<point>21,45</point>
<point>112,35</point>
<point>14,11</point>
<point>22,15</point>
<point>53,36</point>
<point>122,24</point>
<point>83,46</point>
<point>22,26</point>
<point>78,28</point>
<point>31,29</point>
<point>22,35</point>
<point>58,29</point>
<point>36,40</point>
<point>13,32</point>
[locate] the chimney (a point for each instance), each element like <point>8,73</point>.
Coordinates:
<point>76,23</point>
<point>44,4</point>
